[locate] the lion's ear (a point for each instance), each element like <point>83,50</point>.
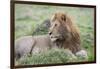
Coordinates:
<point>63,17</point>
<point>53,17</point>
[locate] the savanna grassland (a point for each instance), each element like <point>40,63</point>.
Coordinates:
<point>29,17</point>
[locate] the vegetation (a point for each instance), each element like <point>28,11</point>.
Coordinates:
<point>52,56</point>
<point>29,17</point>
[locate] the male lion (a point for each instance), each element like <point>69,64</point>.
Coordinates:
<point>65,34</point>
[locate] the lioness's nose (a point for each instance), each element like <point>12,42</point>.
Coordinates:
<point>50,33</point>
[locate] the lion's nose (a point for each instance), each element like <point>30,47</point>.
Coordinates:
<point>50,33</point>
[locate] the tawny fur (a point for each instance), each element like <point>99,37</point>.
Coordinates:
<point>67,31</point>
<point>32,45</point>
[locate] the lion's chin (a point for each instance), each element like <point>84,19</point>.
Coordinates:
<point>53,39</point>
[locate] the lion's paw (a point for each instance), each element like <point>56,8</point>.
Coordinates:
<point>82,54</point>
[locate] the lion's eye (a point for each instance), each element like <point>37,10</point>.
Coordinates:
<point>55,24</point>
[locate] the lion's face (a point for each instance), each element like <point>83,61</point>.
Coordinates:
<point>58,29</point>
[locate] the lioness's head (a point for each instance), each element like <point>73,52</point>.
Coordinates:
<point>59,29</point>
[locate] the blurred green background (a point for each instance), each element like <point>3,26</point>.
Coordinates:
<point>29,17</point>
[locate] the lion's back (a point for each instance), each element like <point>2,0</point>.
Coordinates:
<point>43,43</point>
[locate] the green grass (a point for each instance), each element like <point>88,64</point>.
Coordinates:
<point>52,56</point>
<point>28,17</point>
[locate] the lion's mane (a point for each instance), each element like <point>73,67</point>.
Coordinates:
<point>70,32</point>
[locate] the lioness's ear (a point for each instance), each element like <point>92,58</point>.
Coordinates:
<point>63,17</point>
